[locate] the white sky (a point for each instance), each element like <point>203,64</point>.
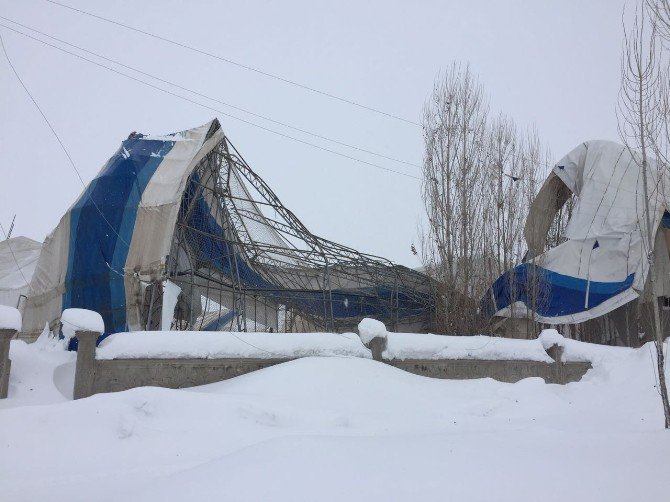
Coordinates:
<point>552,64</point>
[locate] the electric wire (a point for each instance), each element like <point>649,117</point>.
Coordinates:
<point>203,105</point>
<point>257,115</point>
<point>55,134</point>
<point>238,64</point>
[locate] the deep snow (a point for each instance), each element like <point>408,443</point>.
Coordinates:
<point>426,346</point>
<point>336,428</point>
<point>211,345</point>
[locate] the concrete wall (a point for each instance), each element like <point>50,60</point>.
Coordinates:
<point>5,363</point>
<point>504,371</point>
<point>94,376</point>
<point>122,374</point>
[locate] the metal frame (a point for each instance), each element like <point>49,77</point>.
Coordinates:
<point>260,234</point>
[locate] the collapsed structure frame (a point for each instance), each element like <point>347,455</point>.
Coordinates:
<point>243,261</point>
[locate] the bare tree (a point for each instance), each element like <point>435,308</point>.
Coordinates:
<point>479,179</point>
<point>639,120</point>
<point>454,126</point>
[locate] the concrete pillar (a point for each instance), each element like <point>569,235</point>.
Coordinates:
<point>556,353</point>
<point>377,345</point>
<point>84,376</point>
<point>5,364</point>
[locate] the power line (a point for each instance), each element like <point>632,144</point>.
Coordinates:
<point>316,135</point>
<point>257,115</point>
<point>60,142</point>
<point>293,138</point>
<point>236,63</point>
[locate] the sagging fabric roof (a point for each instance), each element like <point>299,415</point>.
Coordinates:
<point>603,263</point>
<point>118,232</point>
<point>184,217</point>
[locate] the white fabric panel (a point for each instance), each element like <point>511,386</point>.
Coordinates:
<point>18,259</point>
<point>157,214</point>
<point>610,209</point>
<point>45,295</point>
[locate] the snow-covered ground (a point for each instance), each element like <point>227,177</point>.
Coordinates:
<point>336,428</point>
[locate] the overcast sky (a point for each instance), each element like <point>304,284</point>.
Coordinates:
<point>552,64</point>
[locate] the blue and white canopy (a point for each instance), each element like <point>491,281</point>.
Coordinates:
<point>603,263</point>
<point>117,235</point>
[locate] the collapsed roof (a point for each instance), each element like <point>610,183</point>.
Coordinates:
<point>178,231</point>
<point>602,264</point>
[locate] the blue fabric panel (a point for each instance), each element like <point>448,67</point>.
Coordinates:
<point>219,323</point>
<point>665,221</point>
<point>560,294</point>
<point>101,227</point>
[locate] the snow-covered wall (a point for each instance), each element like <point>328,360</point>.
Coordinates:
<point>224,345</point>
<point>183,359</point>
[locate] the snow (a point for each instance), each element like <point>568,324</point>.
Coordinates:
<point>10,318</point>
<point>212,345</point>
<point>170,298</point>
<point>42,373</point>
<point>371,328</point>
<point>311,429</point>
<point>403,346</point>
<point>81,320</point>
<point>574,350</point>
<point>168,137</point>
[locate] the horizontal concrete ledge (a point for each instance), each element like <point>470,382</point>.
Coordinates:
<point>122,374</point>
<point>503,370</point>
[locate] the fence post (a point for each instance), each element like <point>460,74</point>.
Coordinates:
<point>5,363</point>
<point>555,352</point>
<point>373,334</point>
<point>84,376</point>
<point>377,346</point>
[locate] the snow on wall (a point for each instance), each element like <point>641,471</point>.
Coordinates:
<point>10,318</point>
<point>426,346</point>
<point>221,345</point>
<point>81,320</point>
<point>368,329</point>
<point>575,351</point>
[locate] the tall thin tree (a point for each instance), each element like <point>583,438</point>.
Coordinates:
<point>638,115</point>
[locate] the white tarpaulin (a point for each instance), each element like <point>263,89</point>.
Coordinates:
<point>115,238</point>
<point>603,264</point>
<point>18,258</point>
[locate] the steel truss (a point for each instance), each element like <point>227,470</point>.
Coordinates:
<point>243,261</point>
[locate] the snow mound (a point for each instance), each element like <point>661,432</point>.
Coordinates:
<point>371,328</point>
<point>575,351</point>
<point>81,320</point>
<point>221,345</point>
<point>10,318</point>
<point>426,346</point>
<point>310,429</point>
